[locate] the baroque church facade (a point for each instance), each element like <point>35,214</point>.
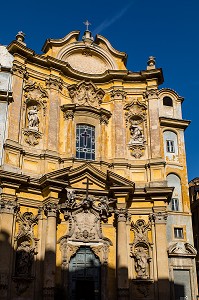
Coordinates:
<point>94,193</point>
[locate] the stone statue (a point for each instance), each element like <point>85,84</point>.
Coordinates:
<point>33,120</point>
<point>136,135</point>
<point>141,262</point>
<point>24,259</point>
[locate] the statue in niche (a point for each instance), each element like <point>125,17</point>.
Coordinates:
<point>136,135</point>
<point>141,262</point>
<point>24,260</point>
<point>33,120</point>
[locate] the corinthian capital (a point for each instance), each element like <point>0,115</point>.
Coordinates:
<point>9,207</point>
<point>51,209</point>
<point>159,217</point>
<point>122,215</point>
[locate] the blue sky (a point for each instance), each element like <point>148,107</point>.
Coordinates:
<point>165,29</point>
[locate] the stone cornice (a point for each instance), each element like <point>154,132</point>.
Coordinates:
<point>60,42</point>
<point>176,123</point>
<point>67,70</point>
<point>99,38</point>
<point>159,193</point>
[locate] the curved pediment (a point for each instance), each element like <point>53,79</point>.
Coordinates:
<point>181,249</point>
<point>86,55</point>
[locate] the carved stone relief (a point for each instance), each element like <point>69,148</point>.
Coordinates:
<point>141,249</point>
<point>26,248</point>
<point>35,110</point>
<point>85,214</point>
<point>86,94</point>
<point>135,120</point>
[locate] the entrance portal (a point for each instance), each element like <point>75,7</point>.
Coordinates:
<point>84,275</point>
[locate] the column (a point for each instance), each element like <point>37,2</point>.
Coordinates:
<point>122,255</point>
<point>8,211</point>
<point>160,219</point>
<point>51,212</point>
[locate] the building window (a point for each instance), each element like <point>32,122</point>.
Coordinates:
<point>170,146</point>
<point>167,101</point>
<point>175,204</point>
<point>85,141</point>
<point>178,233</point>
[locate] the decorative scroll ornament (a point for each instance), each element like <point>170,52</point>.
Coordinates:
<point>26,248</point>
<point>135,112</point>
<point>86,94</point>
<point>140,249</point>
<point>32,137</point>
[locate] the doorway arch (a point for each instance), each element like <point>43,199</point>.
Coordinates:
<point>84,275</point>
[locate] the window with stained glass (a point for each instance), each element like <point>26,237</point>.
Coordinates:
<point>85,141</point>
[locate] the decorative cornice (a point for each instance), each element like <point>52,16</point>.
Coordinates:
<point>174,123</point>
<point>66,69</point>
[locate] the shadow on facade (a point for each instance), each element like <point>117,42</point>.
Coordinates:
<point>22,276</point>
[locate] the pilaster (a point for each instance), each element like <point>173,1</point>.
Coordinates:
<point>51,212</point>
<point>159,219</point>
<point>122,255</point>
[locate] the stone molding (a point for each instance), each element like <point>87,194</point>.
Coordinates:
<point>179,249</point>
<point>72,110</point>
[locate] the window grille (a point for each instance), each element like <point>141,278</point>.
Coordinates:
<point>178,233</point>
<point>170,146</point>
<point>175,204</point>
<point>85,141</point>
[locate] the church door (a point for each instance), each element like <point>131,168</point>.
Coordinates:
<point>84,275</point>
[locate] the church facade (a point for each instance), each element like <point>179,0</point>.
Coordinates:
<point>94,193</point>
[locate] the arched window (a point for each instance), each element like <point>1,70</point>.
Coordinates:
<point>167,101</point>
<point>174,181</point>
<point>85,141</point>
<point>170,143</point>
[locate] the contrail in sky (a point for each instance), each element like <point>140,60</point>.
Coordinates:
<point>108,22</point>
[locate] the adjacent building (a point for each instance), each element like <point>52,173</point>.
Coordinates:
<point>94,191</point>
